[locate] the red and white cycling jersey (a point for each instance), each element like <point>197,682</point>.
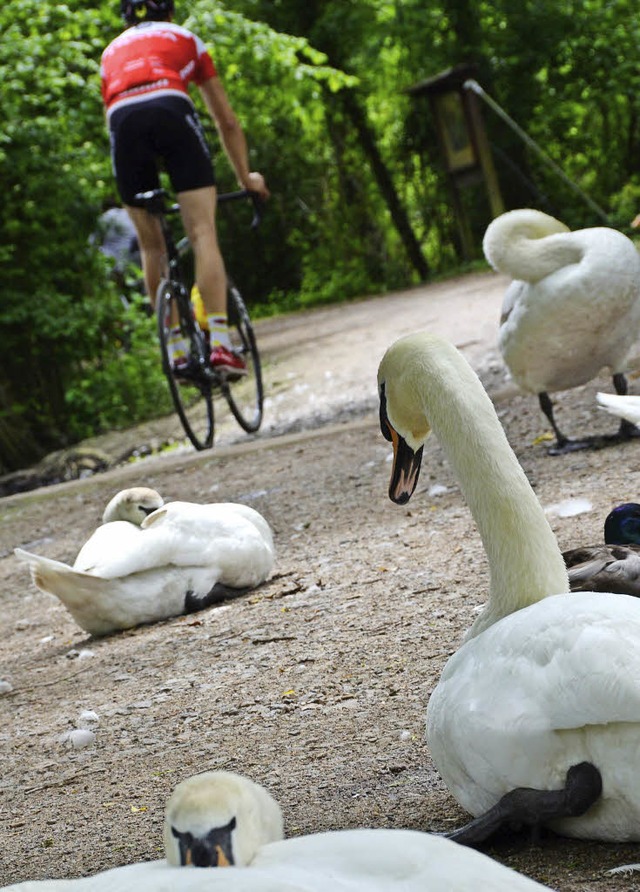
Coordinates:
<point>153,58</point>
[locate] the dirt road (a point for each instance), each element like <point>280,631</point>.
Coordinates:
<point>315,684</point>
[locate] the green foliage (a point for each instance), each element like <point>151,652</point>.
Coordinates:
<point>121,384</point>
<point>321,89</point>
<point>60,316</point>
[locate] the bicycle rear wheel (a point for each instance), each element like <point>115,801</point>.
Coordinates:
<point>192,394</point>
<point>245,396</point>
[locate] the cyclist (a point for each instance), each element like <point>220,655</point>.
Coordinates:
<point>145,74</point>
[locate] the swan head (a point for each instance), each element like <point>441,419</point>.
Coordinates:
<point>402,414</point>
<point>622,526</point>
<point>133,505</point>
<point>219,819</point>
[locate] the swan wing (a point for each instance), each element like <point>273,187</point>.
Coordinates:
<point>101,606</point>
<point>235,541</point>
<point>571,662</point>
<point>234,538</point>
<point>157,876</point>
<point>117,539</point>
<point>369,860</point>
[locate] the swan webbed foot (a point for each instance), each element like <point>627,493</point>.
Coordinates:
<point>563,444</point>
<point>534,808</point>
<point>627,431</point>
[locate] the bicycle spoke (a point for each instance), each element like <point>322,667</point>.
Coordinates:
<point>245,396</point>
<point>192,394</point>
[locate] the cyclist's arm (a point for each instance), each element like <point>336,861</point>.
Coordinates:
<point>231,135</point>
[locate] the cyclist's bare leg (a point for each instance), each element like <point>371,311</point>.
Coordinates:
<point>198,210</point>
<point>152,248</point>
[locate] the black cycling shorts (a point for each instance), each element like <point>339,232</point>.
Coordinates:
<point>160,132</point>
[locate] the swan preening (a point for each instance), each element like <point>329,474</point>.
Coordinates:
<point>223,820</point>
<point>544,693</point>
<point>572,309</point>
<point>614,565</point>
<point>150,560</point>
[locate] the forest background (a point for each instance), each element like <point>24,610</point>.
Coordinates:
<point>361,201</point>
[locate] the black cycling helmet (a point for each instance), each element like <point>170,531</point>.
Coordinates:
<point>134,11</point>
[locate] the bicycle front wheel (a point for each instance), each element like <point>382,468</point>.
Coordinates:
<point>245,396</point>
<point>191,392</point>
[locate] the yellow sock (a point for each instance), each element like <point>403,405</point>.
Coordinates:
<point>198,308</point>
<point>177,345</point>
<point>219,328</point>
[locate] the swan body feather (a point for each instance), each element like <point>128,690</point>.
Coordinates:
<point>175,561</point>
<point>624,406</point>
<point>543,681</point>
<point>573,307</point>
<point>363,860</point>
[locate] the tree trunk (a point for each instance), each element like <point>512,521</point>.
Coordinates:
<point>367,141</point>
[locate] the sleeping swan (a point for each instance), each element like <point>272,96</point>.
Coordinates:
<point>572,309</point>
<point>178,559</point>
<point>544,694</point>
<point>220,819</point>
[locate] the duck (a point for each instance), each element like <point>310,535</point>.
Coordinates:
<point>224,820</point>
<point>536,716</point>
<point>571,310</point>
<point>151,561</point>
<point>612,566</point>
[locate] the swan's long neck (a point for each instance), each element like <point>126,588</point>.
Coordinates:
<point>524,559</point>
<point>528,245</point>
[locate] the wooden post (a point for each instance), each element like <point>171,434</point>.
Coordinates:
<point>463,143</point>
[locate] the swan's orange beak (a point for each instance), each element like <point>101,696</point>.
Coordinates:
<point>405,471</point>
<point>406,462</point>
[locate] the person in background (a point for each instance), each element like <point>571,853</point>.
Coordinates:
<point>116,237</point>
<point>145,75</point>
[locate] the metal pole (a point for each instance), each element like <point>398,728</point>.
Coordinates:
<point>475,86</point>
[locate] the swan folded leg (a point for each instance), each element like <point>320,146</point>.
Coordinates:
<point>220,592</point>
<point>535,807</point>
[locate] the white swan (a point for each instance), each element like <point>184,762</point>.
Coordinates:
<point>572,309</point>
<point>224,820</point>
<point>544,693</point>
<point>132,504</point>
<point>178,559</point>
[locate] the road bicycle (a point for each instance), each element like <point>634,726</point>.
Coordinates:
<point>192,393</point>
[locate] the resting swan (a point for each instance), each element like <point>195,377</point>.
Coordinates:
<point>544,692</point>
<point>572,309</point>
<point>613,566</point>
<point>220,819</point>
<point>178,559</point>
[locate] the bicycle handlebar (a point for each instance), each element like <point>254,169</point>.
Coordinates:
<point>245,193</point>
<point>154,202</point>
